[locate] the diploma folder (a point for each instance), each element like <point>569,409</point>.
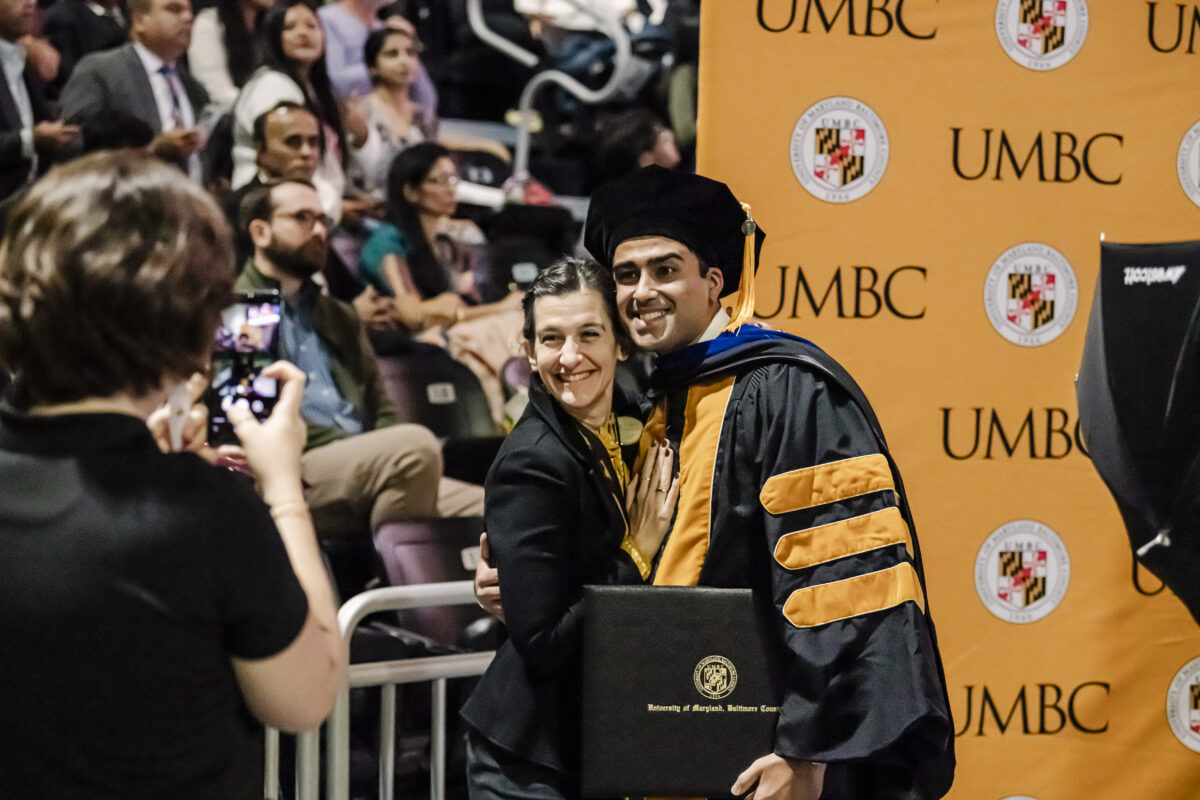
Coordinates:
<point>681,690</point>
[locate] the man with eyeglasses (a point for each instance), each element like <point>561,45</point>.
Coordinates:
<point>287,142</point>
<point>361,465</point>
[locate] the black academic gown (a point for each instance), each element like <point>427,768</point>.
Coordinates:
<point>788,488</point>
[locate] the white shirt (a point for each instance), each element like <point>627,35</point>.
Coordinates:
<point>208,61</point>
<point>715,326</point>
<point>162,90</point>
<point>12,60</point>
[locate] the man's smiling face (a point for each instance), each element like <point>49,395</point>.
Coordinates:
<point>663,299</point>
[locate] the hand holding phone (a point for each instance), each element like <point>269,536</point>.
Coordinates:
<point>246,342</point>
<point>273,446</point>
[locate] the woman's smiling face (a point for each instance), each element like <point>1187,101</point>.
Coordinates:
<point>575,353</point>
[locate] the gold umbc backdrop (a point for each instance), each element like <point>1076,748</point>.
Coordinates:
<point>934,179</point>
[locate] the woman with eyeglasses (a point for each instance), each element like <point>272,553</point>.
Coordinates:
<point>425,259</point>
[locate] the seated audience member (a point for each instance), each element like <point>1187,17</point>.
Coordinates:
<point>347,24</point>
<point>78,27</point>
<point>27,134</point>
<point>189,599</point>
<point>425,260</point>
<point>424,91</point>
<point>393,59</point>
<point>145,78</point>
<point>294,69</point>
<point>288,146</point>
<point>396,117</point>
<point>225,50</point>
<point>360,465</point>
<point>632,140</point>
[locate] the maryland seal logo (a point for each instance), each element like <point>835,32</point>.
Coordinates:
<point>1188,164</point>
<point>715,677</point>
<point>1022,571</point>
<point>1041,34</point>
<point>839,150</point>
<point>1183,705</point>
<point>1031,294</point>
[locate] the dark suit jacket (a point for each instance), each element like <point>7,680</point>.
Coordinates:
<point>75,30</point>
<point>13,166</point>
<point>116,79</point>
<point>554,525</point>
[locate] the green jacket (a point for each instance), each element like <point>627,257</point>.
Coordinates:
<point>354,369</point>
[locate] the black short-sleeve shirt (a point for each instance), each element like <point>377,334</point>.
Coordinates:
<point>128,578</point>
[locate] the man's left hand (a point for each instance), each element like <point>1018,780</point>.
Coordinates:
<point>780,778</point>
<point>487,582</point>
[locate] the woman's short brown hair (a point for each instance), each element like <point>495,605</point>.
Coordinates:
<point>113,272</point>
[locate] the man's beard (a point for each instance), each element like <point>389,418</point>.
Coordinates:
<point>297,262</point>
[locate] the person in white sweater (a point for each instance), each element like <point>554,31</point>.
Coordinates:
<point>224,50</point>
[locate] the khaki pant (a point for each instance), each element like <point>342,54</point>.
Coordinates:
<point>394,473</point>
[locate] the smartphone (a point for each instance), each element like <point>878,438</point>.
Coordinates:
<point>245,342</point>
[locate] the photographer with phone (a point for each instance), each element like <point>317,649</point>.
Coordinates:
<point>148,601</point>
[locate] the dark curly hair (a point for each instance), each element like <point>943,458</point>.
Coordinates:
<point>113,273</point>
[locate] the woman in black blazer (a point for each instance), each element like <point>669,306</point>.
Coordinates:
<point>559,516</point>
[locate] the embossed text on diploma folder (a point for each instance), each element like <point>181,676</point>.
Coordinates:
<point>681,690</point>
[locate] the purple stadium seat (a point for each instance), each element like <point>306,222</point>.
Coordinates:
<point>432,551</point>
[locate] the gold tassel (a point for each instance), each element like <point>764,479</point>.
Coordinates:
<point>744,310</point>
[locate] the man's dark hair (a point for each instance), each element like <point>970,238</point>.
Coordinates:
<point>260,122</point>
<point>573,274</point>
<point>113,273</point>
<point>623,140</point>
<point>259,202</point>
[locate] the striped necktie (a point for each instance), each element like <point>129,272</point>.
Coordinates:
<point>168,73</point>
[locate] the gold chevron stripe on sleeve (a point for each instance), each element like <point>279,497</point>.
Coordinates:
<point>862,594</point>
<point>825,483</point>
<point>846,537</point>
<point>687,545</point>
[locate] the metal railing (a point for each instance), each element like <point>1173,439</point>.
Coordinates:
<point>387,675</point>
<point>622,62</point>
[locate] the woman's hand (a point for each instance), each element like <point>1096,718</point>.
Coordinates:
<point>195,430</point>
<point>273,447</point>
<point>650,498</point>
<point>354,121</point>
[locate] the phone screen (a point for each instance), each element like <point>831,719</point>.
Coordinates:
<point>245,342</point>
